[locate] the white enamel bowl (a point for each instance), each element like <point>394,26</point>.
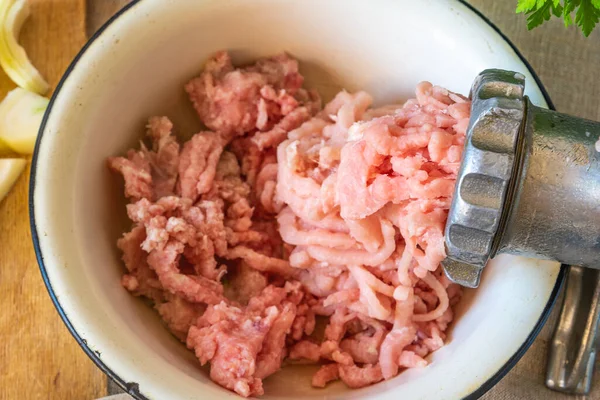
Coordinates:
<point>135,67</point>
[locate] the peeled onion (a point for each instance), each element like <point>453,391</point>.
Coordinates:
<point>13,58</point>
<point>21,114</point>
<point>10,170</point>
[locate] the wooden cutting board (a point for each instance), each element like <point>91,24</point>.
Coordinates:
<point>38,357</point>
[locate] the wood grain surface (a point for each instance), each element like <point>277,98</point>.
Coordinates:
<point>38,357</point>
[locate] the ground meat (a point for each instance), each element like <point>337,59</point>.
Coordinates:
<point>231,340</point>
<point>357,377</point>
<point>366,195</point>
<point>164,156</point>
<point>306,350</point>
<point>139,279</point>
<point>279,132</point>
<point>179,315</point>
<point>136,172</point>
<point>244,283</point>
<point>151,173</point>
<point>326,374</point>
<point>246,345</point>
<point>273,350</point>
<point>198,164</point>
<point>235,102</point>
<point>282,211</point>
<point>260,262</point>
<point>250,156</point>
<point>194,289</point>
<point>364,346</point>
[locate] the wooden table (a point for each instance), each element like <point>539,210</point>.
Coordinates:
<point>38,357</point>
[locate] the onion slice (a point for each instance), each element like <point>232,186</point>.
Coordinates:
<point>13,58</point>
<point>10,170</point>
<point>21,114</point>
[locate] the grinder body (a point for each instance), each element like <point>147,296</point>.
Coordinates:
<point>554,211</point>
<point>529,183</point>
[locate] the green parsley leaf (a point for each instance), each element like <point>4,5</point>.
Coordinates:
<point>537,17</point>
<point>587,17</point>
<point>526,5</point>
<point>557,9</point>
<point>569,7</point>
<point>587,12</point>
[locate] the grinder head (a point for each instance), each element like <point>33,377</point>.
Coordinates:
<point>483,186</point>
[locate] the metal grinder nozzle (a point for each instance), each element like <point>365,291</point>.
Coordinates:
<point>529,183</point>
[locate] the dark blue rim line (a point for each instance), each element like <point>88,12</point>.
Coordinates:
<point>132,388</point>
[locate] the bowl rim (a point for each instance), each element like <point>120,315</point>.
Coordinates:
<point>132,388</point>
